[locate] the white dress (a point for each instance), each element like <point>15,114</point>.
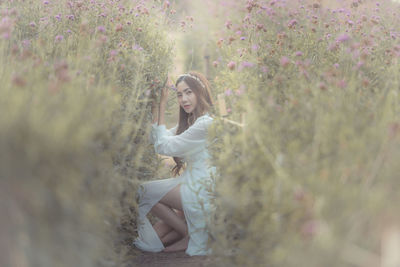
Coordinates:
<point>197,186</point>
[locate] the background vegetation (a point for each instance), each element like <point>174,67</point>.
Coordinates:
<point>311,178</point>
<point>308,179</point>
<point>75,82</point>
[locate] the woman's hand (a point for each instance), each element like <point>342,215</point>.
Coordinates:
<point>165,92</point>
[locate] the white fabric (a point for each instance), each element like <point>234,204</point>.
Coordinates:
<point>197,184</point>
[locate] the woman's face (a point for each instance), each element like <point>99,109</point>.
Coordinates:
<point>186,97</point>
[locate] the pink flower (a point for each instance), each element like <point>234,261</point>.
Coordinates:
<point>264,69</point>
<point>101,29</point>
<point>299,54</point>
<point>310,228</point>
<point>292,23</point>
<point>246,64</point>
<point>231,65</point>
<point>59,38</point>
<point>215,63</point>
<point>284,61</point>
<point>228,92</point>
<point>239,92</point>
<point>342,84</point>
<point>119,28</point>
<point>343,38</point>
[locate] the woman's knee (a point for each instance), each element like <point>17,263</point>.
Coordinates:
<point>173,198</point>
<point>156,207</point>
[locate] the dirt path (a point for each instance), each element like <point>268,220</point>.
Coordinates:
<point>173,259</point>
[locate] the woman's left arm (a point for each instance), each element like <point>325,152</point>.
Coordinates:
<point>185,143</point>
<point>163,102</point>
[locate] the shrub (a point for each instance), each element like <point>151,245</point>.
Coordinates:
<point>75,82</point>
<point>310,179</point>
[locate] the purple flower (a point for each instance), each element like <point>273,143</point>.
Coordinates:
<point>342,84</point>
<point>59,38</point>
<point>242,38</point>
<point>254,47</point>
<point>101,29</point>
<point>113,53</point>
<point>264,69</point>
<point>292,23</point>
<point>26,43</point>
<point>239,92</point>
<point>231,65</point>
<point>246,64</point>
<point>137,47</point>
<point>32,24</point>
<point>58,17</point>
<point>46,2</point>
<point>228,92</point>
<point>343,38</point>
<point>299,54</point>
<point>284,61</point>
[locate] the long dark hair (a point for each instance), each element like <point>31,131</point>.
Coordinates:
<point>204,104</point>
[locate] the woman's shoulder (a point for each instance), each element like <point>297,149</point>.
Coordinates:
<point>204,120</point>
<point>205,117</point>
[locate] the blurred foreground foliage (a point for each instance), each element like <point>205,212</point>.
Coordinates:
<point>75,80</point>
<point>312,177</point>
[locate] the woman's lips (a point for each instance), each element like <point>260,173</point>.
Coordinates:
<point>186,106</point>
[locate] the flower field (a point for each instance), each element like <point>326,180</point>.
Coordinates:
<point>311,178</point>
<point>75,80</point>
<point>307,148</point>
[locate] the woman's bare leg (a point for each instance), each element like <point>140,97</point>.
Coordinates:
<point>167,215</point>
<point>165,232</point>
<point>179,245</point>
<point>171,238</point>
<point>173,199</point>
<point>162,229</point>
<point>164,210</point>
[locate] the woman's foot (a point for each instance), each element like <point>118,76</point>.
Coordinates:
<point>180,245</point>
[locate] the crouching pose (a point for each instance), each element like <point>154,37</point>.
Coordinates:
<point>182,203</point>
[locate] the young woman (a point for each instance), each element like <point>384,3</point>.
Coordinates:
<point>181,204</point>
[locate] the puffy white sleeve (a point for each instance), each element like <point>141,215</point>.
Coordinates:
<point>153,134</point>
<point>186,143</point>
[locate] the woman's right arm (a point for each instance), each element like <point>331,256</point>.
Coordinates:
<point>154,111</point>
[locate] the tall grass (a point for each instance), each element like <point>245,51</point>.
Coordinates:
<point>312,178</point>
<point>75,81</point>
